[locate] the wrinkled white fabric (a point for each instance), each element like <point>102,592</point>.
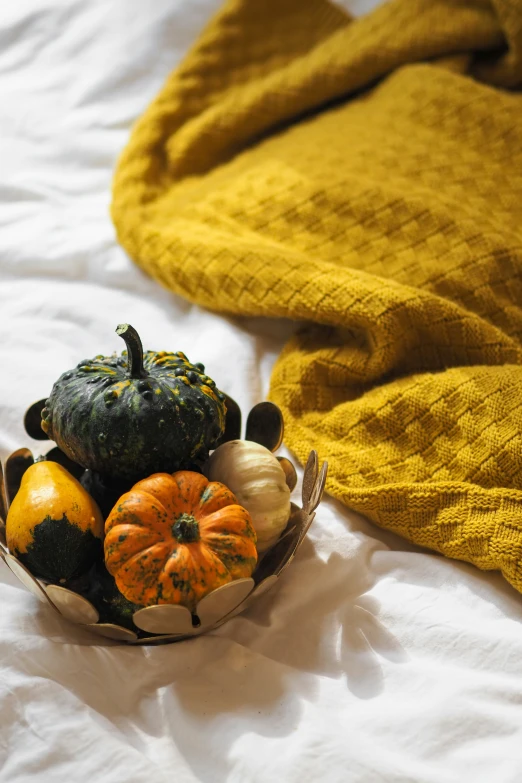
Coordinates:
<point>371,660</point>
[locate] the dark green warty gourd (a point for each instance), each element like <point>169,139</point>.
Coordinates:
<point>141,413</point>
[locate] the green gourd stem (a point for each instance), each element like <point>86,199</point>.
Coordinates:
<point>134,350</point>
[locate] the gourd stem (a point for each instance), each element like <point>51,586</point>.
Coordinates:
<point>186,529</point>
<point>134,350</point>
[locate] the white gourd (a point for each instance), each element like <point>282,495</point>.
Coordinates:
<point>259,483</point>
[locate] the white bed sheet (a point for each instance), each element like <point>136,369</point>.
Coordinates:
<point>371,660</point>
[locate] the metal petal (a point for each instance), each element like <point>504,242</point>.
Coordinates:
<point>15,467</point>
<point>164,619</point>
<point>219,603</point>
<point>304,529</point>
<point>72,606</point>
<point>264,586</point>
<point>32,421</point>
<point>317,491</point>
<point>290,472</point>
<point>232,422</point>
<point>111,631</point>
<point>3,496</point>
<point>261,588</point>
<point>309,478</point>
<point>265,425</point>
<point>26,578</point>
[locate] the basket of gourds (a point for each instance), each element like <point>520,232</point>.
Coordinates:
<point>151,520</point>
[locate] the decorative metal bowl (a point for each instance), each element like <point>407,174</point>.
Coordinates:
<point>167,622</point>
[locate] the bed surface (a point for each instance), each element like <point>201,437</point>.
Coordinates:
<point>371,660</point>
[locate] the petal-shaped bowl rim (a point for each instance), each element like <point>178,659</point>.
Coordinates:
<point>215,608</point>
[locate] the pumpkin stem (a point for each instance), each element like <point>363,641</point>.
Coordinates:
<point>186,529</point>
<point>134,350</point>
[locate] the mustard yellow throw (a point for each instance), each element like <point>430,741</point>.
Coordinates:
<point>364,177</point>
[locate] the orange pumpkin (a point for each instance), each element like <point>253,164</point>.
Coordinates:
<point>174,538</point>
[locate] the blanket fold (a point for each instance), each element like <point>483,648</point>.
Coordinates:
<point>363,176</point>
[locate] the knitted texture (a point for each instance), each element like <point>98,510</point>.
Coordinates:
<point>363,177</point>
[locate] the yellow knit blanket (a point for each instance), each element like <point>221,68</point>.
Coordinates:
<point>364,177</point>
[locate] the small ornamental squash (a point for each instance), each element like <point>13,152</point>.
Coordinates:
<point>174,538</point>
<point>127,417</point>
<point>258,481</point>
<point>53,525</point>
<point>110,604</point>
